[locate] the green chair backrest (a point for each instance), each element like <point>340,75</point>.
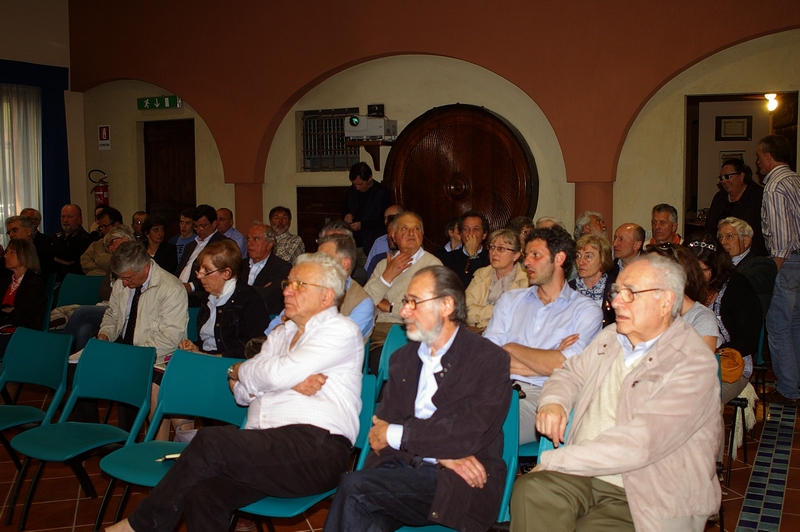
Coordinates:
<point>196,385</point>
<point>115,372</point>
<point>395,339</point>
<point>79,290</point>
<point>37,357</point>
<point>191,327</point>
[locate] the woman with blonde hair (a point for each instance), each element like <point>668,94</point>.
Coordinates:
<point>593,262</point>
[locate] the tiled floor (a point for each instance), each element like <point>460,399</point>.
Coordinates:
<point>758,497</point>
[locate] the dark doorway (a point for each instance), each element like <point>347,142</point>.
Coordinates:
<point>317,206</point>
<point>169,169</point>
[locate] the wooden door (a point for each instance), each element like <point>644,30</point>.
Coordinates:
<point>169,169</point>
<point>317,206</point>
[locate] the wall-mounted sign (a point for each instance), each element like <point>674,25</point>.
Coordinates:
<point>104,137</point>
<point>158,102</point>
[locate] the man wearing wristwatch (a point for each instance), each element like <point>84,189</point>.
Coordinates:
<point>303,392</point>
<point>388,284</point>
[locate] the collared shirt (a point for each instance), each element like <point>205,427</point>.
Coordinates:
<point>207,330</point>
<point>288,246</point>
<point>426,388</point>
<point>633,354</point>
<point>379,247</point>
<point>738,258</point>
<point>780,212</point>
<point>255,269</point>
<point>521,317</point>
<point>414,258</point>
<point>131,291</point>
<point>237,237</point>
<point>363,315</point>
<point>201,244</point>
<point>331,345</point>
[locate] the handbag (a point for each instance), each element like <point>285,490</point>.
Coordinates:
<point>731,364</point>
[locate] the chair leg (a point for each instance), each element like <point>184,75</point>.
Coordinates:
<point>122,501</point>
<point>17,488</point>
<point>11,452</point>
<point>730,449</point>
<point>104,504</point>
<point>83,477</point>
<point>29,499</point>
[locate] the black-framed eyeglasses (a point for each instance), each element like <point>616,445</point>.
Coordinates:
<point>297,286</point>
<point>412,303</point>
<point>104,226</point>
<point>626,294</point>
<point>726,177</point>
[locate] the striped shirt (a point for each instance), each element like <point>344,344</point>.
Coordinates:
<point>780,212</point>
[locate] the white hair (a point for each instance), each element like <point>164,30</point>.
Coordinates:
<point>331,275</point>
<point>742,228</point>
<point>670,275</point>
<point>582,220</point>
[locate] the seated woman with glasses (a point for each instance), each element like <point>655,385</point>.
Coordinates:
<point>164,253</point>
<point>233,312</point>
<point>734,303</point>
<point>594,262</point>
<point>694,312</point>
<point>504,273</point>
<point>24,300</point>
<point>740,197</point>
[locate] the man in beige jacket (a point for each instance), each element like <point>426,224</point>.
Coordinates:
<point>646,422</point>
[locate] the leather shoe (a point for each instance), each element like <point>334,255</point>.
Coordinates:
<point>778,398</point>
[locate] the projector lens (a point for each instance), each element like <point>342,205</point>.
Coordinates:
<point>354,120</point>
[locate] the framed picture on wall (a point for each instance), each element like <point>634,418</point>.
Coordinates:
<point>734,128</point>
<point>730,154</point>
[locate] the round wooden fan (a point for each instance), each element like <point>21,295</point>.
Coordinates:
<point>461,157</point>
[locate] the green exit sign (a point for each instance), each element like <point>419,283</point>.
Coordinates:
<point>158,102</point>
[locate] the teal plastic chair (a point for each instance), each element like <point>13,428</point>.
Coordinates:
<point>280,507</point>
<point>510,451</point>
<point>546,444</point>
<point>33,357</point>
<point>395,339</point>
<point>49,290</point>
<point>194,385</point>
<point>106,370</point>
<point>191,326</point>
<point>79,290</point>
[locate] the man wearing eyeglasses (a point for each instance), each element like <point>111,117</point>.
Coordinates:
<point>436,440</point>
<point>303,397</point>
<point>646,423</point>
<point>96,260</point>
<point>541,326</point>
<point>205,226</point>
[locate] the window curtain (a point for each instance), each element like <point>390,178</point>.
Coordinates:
<point>53,177</point>
<point>21,156</point>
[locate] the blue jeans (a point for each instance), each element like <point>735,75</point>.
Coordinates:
<point>84,324</point>
<point>783,326</point>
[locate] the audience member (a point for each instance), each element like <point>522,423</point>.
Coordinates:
<point>545,324</point>
<point>595,273</point>
<point>522,225</point>
<point>137,220</point>
<point>186,234</point>
<point>225,226</point>
<point>736,237</point>
<point>162,252</point>
<point>505,273</point>
<point>546,222</point>
<point>437,443</point>
<point>740,197</point>
<point>589,223</point>
<point>94,230</point>
<point>735,305</point>
<point>36,218</point>
<point>627,244</point>
<point>664,223</point>
<point>453,236</point>
<point>645,403</point>
<point>287,246</point>
<point>382,245</point>
<point>780,223</point>
<point>70,243</point>
<point>303,392</point>
<point>364,207</point>
<point>24,228</point>
<point>264,270</point>
<point>96,260</point>
<point>473,227</point>
<point>388,284</point>
<point>340,227</point>
<point>205,225</point>
<point>24,298</point>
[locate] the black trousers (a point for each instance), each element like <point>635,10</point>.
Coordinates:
<point>225,468</point>
<point>383,499</point>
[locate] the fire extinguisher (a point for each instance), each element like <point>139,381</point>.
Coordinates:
<point>100,189</point>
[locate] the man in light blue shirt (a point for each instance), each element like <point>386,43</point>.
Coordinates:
<point>545,324</point>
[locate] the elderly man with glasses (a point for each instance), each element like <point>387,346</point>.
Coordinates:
<point>646,425</point>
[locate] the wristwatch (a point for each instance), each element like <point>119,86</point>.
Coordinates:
<point>230,373</point>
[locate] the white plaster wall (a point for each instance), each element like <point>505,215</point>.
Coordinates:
<point>409,86</point>
<point>651,164</point>
<point>709,149</point>
<point>114,104</point>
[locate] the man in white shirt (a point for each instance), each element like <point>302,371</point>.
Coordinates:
<point>437,436</point>
<point>303,391</point>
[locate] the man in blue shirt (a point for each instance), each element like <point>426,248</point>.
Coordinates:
<point>545,324</point>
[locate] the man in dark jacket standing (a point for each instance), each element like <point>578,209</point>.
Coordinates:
<point>363,209</point>
<point>437,438</point>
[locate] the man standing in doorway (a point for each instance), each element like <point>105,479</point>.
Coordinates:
<point>363,209</point>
